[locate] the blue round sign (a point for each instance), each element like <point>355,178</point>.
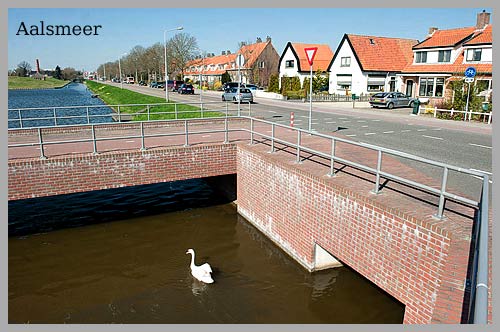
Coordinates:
<point>470,72</point>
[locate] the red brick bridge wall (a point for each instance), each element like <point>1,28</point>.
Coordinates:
<point>30,178</point>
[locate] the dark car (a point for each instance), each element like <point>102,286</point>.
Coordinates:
<point>186,89</point>
<point>174,85</point>
<point>143,83</point>
<point>391,100</point>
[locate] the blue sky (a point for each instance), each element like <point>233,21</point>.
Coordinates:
<point>215,29</point>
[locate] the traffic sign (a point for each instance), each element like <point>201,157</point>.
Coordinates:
<point>470,72</point>
<point>310,53</point>
<point>240,60</point>
<point>469,79</point>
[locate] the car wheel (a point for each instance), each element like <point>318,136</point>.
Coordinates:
<point>390,106</point>
<point>223,99</point>
<point>411,104</point>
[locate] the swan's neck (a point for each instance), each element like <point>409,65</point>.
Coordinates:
<point>192,259</point>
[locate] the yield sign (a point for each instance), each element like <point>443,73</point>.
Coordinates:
<point>310,53</point>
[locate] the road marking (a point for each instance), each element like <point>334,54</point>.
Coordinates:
<point>328,118</point>
<point>478,170</point>
<point>304,116</point>
<point>375,120</point>
<point>297,120</point>
<point>421,129</point>
<point>273,111</point>
<point>331,122</point>
<point>481,146</point>
<point>405,130</point>
<point>351,135</point>
<point>388,132</point>
<point>343,118</point>
<point>346,121</point>
<point>364,126</point>
<point>205,136</point>
<point>436,129</point>
<point>314,123</point>
<point>432,137</point>
<point>370,133</point>
<point>361,121</point>
<point>129,141</point>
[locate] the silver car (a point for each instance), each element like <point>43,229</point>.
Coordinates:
<point>231,94</point>
<point>391,100</point>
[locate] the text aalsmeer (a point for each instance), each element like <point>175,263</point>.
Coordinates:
<point>58,30</point>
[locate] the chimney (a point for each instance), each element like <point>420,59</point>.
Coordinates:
<point>228,52</point>
<point>223,52</point>
<point>372,42</point>
<point>483,19</point>
<point>37,66</point>
<point>268,39</point>
<point>259,40</point>
<point>432,30</point>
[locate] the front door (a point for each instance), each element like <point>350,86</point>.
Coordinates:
<point>409,88</point>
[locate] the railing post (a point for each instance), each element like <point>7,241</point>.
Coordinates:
<point>227,109</point>
<point>201,110</point>
<point>143,145</point>
<point>226,131</point>
<point>88,116</point>
<point>21,119</point>
<point>175,109</point>
<point>186,144</point>
<point>149,116</point>
<point>489,118</point>
<point>272,138</point>
<point>332,158</point>
<point>435,111</point>
<point>452,112</point>
<point>251,131</point>
<point>94,141</point>
<point>379,167</point>
<point>55,117</point>
<point>298,146</point>
<point>439,214</point>
<point>249,109</point>
<point>40,140</point>
<point>119,115</point>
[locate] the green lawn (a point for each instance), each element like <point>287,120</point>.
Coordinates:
<point>16,82</point>
<point>115,96</point>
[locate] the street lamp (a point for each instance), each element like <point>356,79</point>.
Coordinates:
<point>166,71</point>
<point>120,69</point>
<point>201,74</point>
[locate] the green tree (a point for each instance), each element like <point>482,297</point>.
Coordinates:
<point>58,73</point>
<point>274,83</point>
<point>459,100</point>
<point>225,78</point>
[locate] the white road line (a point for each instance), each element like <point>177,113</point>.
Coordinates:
<point>364,126</point>
<point>331,122</point>
<point>297,120</point>
<point>351,135</point>
<point>129,141</point>
<point>405,130</point>
<point>478,170</point>
<point>437,129</point>
<point>361,121</point>
<point>432,137</point>
<point>272,111</point>
<point>375,120</point>
<point>205,136</point>
<point>346,121</point>
<point>481,146</point>
<point>328,118</point>
<point>343,118</point>
<point>421,129</point>
<point>388,132</point>
<point>304,116</point>
<point>314,123</point>
<point>370,133</point>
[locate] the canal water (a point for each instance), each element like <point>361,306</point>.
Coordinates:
<point>119,256</point>
<point>73,94</point>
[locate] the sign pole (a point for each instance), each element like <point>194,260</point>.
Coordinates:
<point>310,53</point>
<point>470,72</point>
<point>467,103</point>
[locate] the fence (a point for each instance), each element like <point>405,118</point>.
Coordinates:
<point>467,116</point>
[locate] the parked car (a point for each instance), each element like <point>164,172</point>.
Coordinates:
<point>391,100</point>
<point>153,84</point>
<point>232,94</point>
<point>186,89</point>
<point>143,83</point>
<point>160,85</point>
<point>230,85</point>
<point>174,85</point>
<point>129,80</point>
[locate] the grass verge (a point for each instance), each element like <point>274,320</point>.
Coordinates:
<point>16,82</point>
<point>115,96</point>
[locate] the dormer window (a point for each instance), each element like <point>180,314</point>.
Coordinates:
<point>421,57</point>
<point>345,61</point>
<point>289,63</point>
<point>474,54</point>
<point>444,56</point>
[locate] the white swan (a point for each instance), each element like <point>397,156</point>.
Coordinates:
<point>202,272</point>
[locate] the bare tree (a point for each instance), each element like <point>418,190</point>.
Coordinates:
<point>69,73</point>
<point>23,69</point>
<point>180,49</point>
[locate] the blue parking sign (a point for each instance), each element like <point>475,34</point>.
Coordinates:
<point>470,72</point>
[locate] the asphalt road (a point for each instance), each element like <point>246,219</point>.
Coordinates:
<point>467,145</point>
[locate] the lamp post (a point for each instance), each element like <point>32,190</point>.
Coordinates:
<point>120,69</point>
<point>201,75</point>
<point>166,67</point>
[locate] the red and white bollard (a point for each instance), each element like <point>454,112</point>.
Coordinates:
<point>292,117</point>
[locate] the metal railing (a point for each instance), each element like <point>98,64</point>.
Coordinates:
<point>54,116</point>
<point>481,289</point>
<point>466,115</point>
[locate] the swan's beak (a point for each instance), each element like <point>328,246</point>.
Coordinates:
<point>187,252</point>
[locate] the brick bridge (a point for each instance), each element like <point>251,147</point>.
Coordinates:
<point>390,238</point>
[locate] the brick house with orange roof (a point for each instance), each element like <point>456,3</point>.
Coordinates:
<point>444,56</point>
<point>261,60</point>
<point>369,64</point>
<point>293,60</point>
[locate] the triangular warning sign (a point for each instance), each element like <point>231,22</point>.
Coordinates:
<point>310,53</point>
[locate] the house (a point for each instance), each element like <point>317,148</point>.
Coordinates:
<point>445,55</point>
<point>369,64</point>
<point>260,61</point>
<point>293,60</point>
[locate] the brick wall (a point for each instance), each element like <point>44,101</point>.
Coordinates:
<point>31,178</point>
<point>420,263</point>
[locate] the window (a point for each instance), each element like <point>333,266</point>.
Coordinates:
<point>289,63</point>
<point>444,56</point>
<point>392,84</point>
<point>345,61</point>
<point>421,57</point>
<point>474,54</point>
<point>261,64</point>
<point>439,87</point>
<point>376,82</point>
<point>426,87</point>
<point>344,81</point>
